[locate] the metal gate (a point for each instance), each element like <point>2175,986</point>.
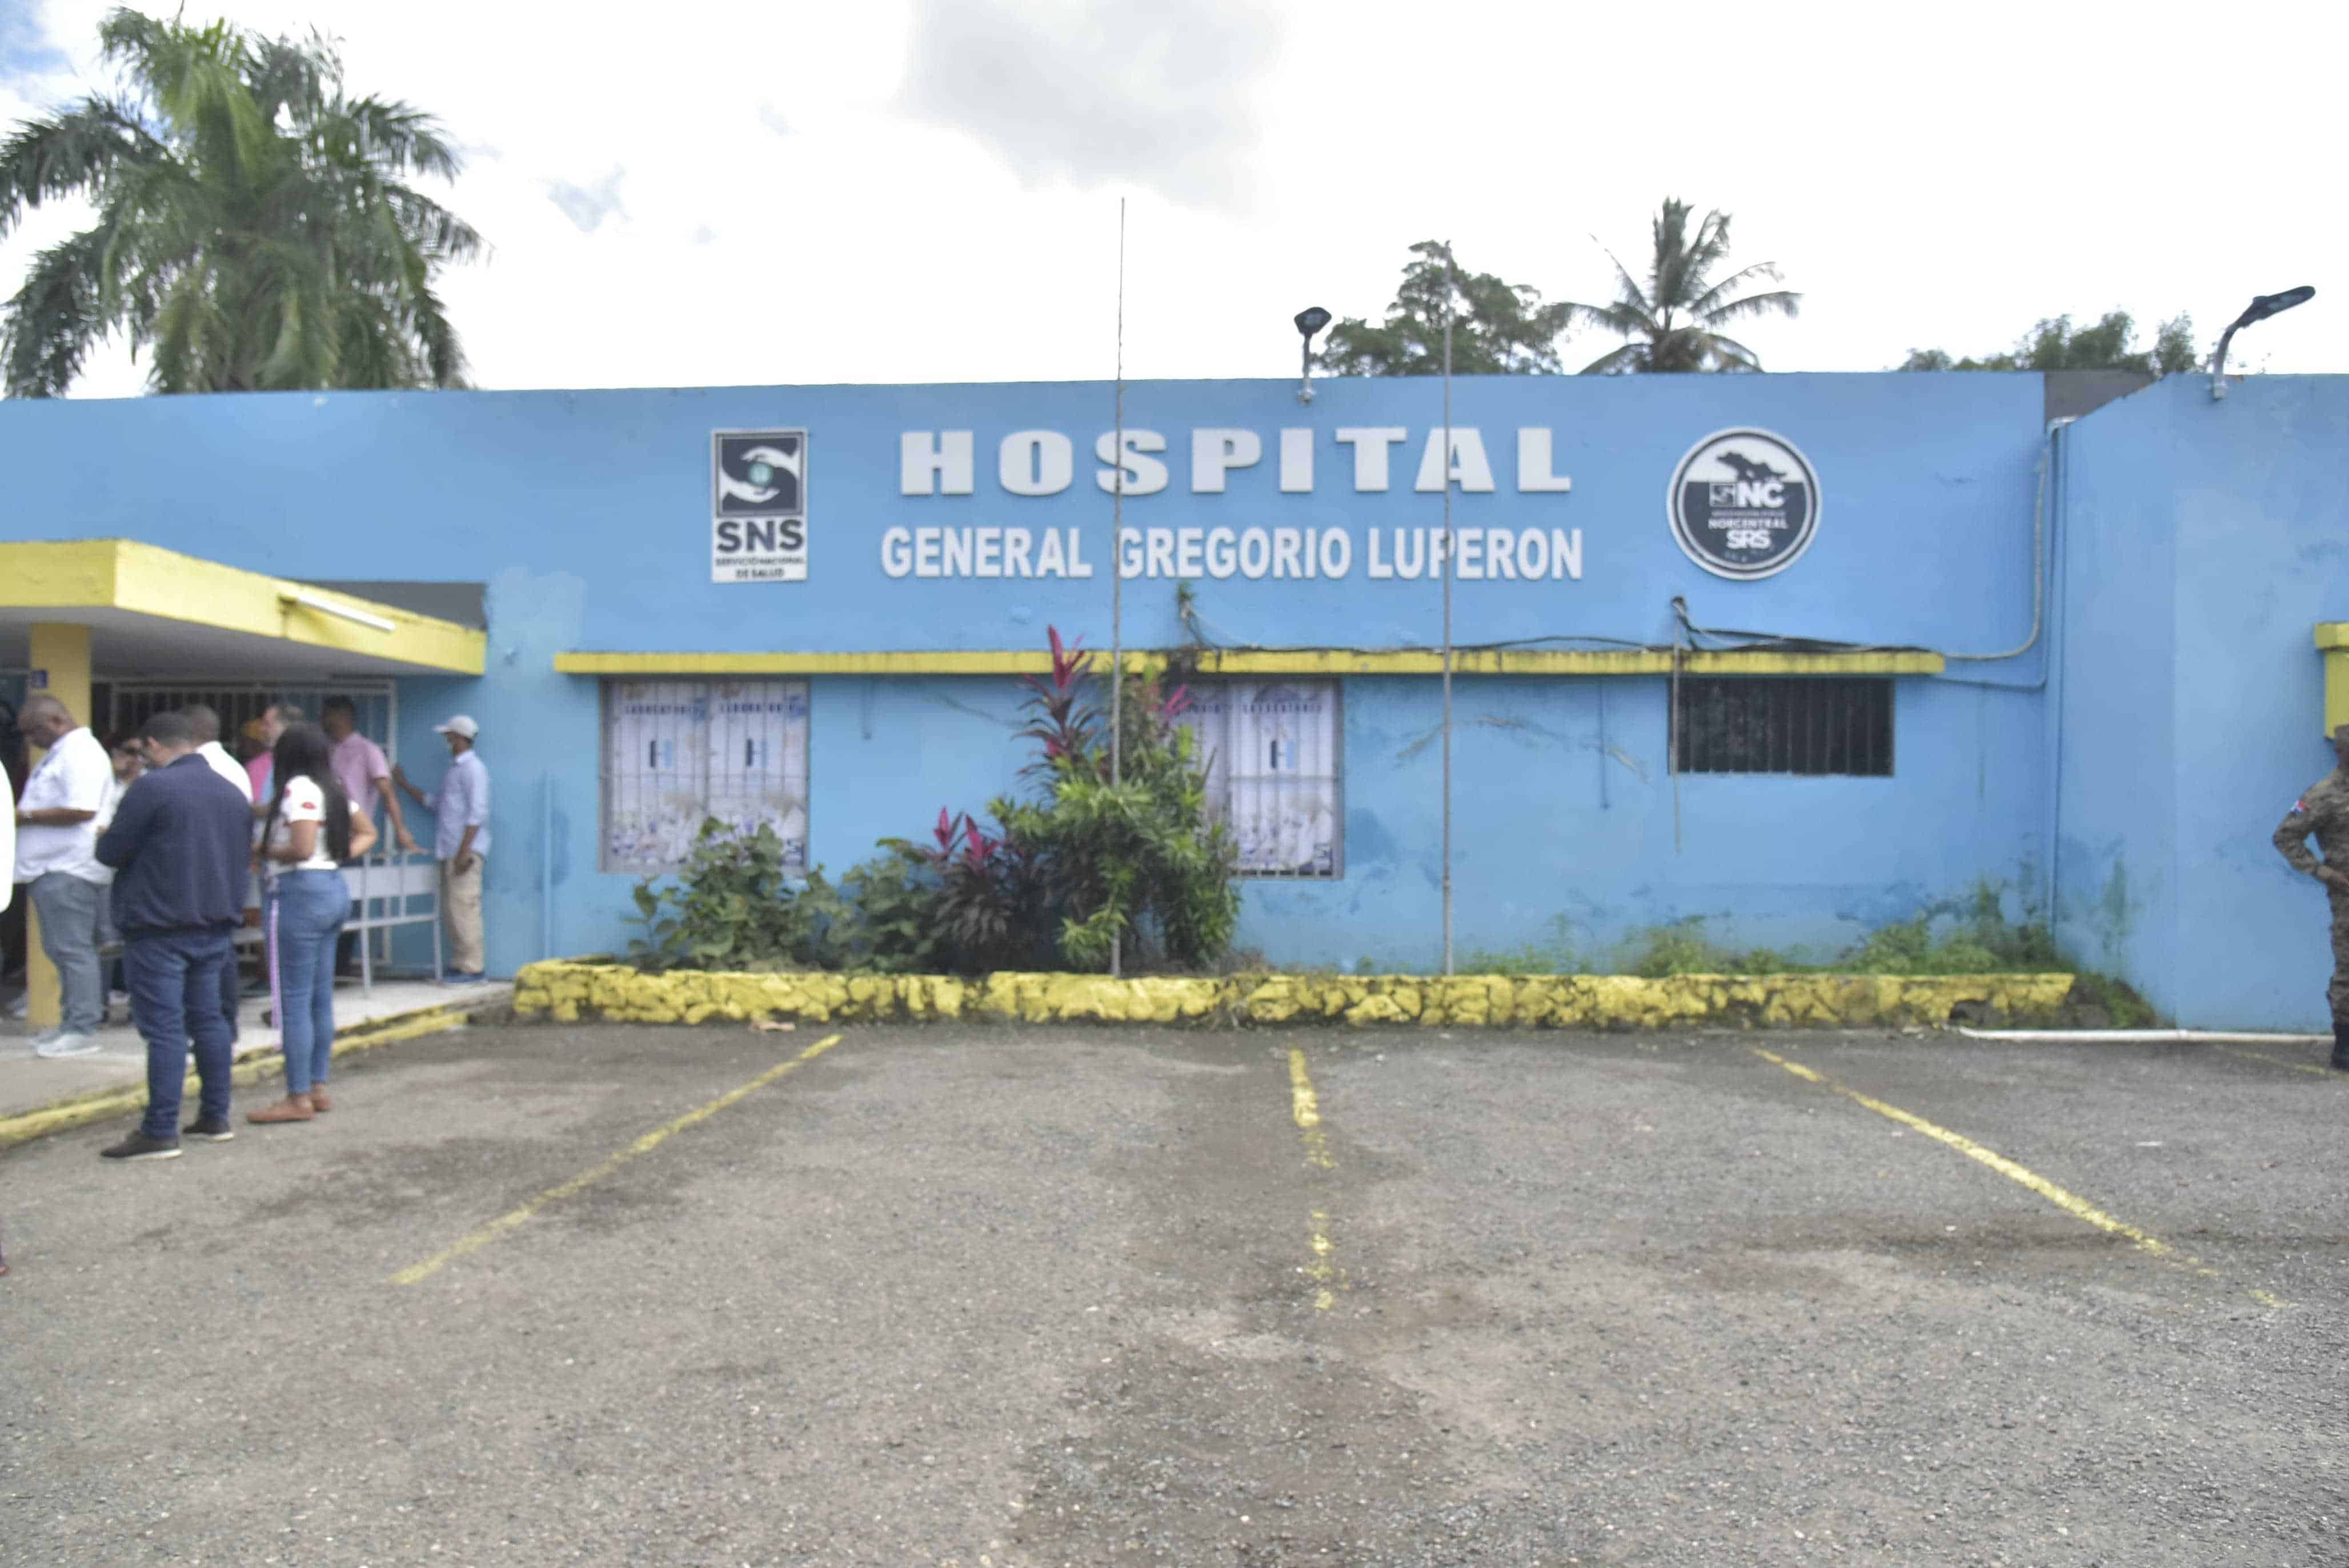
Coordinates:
<point>129,704</point>
<point>387,889</point>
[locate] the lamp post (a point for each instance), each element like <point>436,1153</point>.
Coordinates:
<point>1309,320</point>
<point>1444,556</point>
<point>1117,576</point>
<point>2261,307</point>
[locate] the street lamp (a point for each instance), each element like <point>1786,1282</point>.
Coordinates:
<point>1309,320</point>
<point>2261,307</point>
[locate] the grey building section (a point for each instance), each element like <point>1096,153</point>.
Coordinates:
<point>2069,394</point>
<point>466,603</point>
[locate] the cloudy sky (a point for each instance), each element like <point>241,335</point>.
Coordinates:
<point>704,192</point>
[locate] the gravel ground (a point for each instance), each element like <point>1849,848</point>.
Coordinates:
<point>1003,1299</point>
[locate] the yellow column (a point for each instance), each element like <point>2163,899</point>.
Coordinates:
<point>61,655</point>
<point>2333,639</point>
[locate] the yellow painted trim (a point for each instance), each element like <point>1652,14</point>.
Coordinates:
<point>2333,639</point>
<point>253,1065</point>
<point>145,580</point>
<point>1000,663</point>
<point>1260,661</point>
<point>570,991</point>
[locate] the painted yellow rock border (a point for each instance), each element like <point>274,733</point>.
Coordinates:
<point>568,992</point>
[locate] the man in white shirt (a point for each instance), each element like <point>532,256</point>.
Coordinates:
<point>56,864</point>
<point>206,723</point>
<point>460,843</point>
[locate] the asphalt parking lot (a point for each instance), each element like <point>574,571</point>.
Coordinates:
<point>990,1297</point>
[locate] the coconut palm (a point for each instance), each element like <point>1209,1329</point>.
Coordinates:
<point>254,230</point>
<point>1672,323</point>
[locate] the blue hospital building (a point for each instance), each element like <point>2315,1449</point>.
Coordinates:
<point>1798,655</point>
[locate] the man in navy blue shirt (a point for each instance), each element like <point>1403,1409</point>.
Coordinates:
<point>180,847</point>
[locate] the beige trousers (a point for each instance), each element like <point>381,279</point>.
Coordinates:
<point>461,906</point>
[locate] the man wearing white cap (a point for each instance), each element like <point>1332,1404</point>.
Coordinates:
<point>460,809</point>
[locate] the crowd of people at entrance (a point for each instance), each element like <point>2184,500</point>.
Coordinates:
<point>150,845</point>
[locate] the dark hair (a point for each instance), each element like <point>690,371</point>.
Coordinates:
<point>303,751</point>
<point>170,730</point>
<point>123,740</point>
<point>340,704</point>
<point>204,721</point>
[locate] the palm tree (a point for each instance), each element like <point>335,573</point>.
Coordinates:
<point>1672,323</point>
<point>253,231</point>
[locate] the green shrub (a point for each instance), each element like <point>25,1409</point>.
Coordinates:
<point>1135,864</point>
<point>732,906</point>
<point>895,898</point>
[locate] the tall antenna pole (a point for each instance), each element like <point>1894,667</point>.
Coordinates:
<point>1446,559</point>
<point>1117,572</point>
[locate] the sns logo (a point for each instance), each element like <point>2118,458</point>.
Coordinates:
<point>1743,503</point>
<point>758,473</point>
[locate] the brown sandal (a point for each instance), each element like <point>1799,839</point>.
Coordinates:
<point>292,1108</point>
<point>318,1100</point>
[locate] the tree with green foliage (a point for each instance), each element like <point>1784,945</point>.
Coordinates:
<point>1497,328</point>
<point>255,231</point>
<point>2054,344</point>
<point>1672,322</point>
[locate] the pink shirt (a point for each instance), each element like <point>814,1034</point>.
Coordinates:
<point>358,763</point>
<point>261,769</point>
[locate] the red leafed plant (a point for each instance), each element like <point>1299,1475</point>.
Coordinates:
<point>986,893</point>
<point>1059,722</point>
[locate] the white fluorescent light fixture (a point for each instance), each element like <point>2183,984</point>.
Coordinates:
<point>310,601</point>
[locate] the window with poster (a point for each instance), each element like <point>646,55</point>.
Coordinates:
<point>678,752</point>
<point>1275,772</point>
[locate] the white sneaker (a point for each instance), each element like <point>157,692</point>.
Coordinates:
<point>65,1045</point>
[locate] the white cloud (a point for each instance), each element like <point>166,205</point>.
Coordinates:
<point>1907,175</point>
<point>1099,92</point>
<point>588,205</point>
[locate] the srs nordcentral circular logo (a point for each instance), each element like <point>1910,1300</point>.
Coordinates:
<point>1743,503</point>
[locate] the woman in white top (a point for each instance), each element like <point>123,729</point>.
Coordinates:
<point>312,827</point>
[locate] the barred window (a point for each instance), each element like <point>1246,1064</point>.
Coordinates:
<point>1273,754</point>
<point>678,752</point>
<point>1811,725</point>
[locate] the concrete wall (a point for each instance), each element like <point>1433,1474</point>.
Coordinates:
<point>2202,541</point>
<point>587,516</point>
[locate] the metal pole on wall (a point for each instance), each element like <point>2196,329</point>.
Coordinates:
<point>1445,558</point>
<point>546,870</point>
<point>1116,572</point>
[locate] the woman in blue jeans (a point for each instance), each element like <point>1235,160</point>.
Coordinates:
<point>310,828</point>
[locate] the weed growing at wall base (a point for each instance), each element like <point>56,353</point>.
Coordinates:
<point>1982,940</point>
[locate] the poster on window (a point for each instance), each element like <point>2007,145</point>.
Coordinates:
<point>1271,753</point>
<point>677,753</point>
<point>758,759</point>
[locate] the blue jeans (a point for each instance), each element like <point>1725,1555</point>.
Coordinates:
<point>69,908</point>
<point>306,914</point>
<point>175,994</point>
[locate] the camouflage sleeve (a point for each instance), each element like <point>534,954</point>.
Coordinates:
<point>2292,837</point>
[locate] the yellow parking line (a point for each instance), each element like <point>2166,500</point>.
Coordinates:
<point>1305,1105</point>
<point>2071,1203</point>
<point>2278,1061</point>
<point>651,1141</point>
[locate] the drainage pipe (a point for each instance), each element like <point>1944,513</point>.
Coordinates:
<point>2108,1036</point>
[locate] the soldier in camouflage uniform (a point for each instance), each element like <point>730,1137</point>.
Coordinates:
<point>2325,812</point>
